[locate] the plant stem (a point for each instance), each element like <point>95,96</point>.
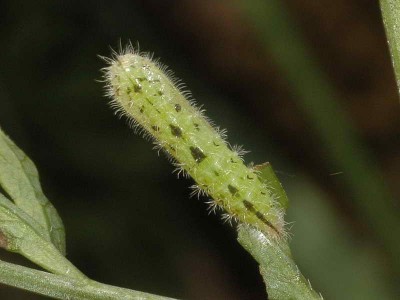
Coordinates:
<point>63,287</point>
<point>281,275</point>
<point>391,19</point>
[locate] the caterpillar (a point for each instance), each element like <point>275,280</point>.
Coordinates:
<point>157,105</point>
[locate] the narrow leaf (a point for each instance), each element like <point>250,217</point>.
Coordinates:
<point>20,180</point>
<point>22,234</point>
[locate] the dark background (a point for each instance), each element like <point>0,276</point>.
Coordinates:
<point>129,221</point>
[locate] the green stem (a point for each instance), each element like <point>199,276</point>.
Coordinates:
<point>281,275</point>
<point>391,18</point>
<point>63,287</point>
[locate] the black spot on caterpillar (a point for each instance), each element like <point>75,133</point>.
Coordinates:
<point>176,131</point>
<point>197,154</point>
<point>178,107</point>
<point>258,214</point>
<point>234,191</point>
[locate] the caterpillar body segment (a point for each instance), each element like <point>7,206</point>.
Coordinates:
<point>153,102</point>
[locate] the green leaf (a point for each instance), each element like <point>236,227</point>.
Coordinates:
<point>268,175</point>
<point>281,275</point>
<point>20,233</point>
<point>20,180</point>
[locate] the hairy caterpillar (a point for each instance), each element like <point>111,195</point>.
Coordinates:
<point>156,105</point>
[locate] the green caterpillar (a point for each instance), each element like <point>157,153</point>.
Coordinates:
<point>156,105</point>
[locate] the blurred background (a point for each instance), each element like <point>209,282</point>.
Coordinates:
<point>305,85</point>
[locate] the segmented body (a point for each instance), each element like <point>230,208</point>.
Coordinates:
<point>142,91</point>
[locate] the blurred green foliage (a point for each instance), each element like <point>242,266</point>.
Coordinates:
<point>317,99</point>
